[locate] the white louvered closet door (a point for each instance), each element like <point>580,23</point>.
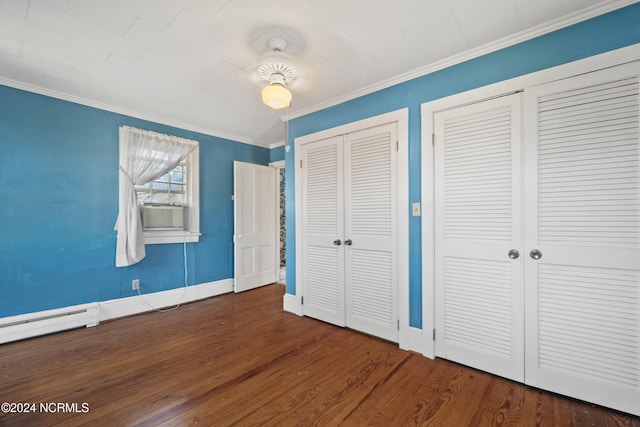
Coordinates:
<point>323,230</point>
<point>583,216</point>
<point>479,288</point>
<point>370,231</point>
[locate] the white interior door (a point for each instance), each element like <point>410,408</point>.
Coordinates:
<point>371,231</point>
<point>255,233</point>
<point>479,266</point>
<point>323,230</point>
<point>583,202</point>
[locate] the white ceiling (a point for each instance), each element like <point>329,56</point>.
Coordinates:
<point>192,63</point>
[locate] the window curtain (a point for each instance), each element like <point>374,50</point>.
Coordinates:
<point>144,156</point>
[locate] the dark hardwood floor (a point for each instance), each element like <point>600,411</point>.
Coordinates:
<point>240,360</point>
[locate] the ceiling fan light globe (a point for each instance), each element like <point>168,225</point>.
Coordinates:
<point>276,96</point>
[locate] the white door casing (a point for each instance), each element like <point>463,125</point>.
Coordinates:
<point>255,232</point>
<point>478,286</point>
<point>582,187</point>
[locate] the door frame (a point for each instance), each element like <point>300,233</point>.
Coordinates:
<point>401,117</point>
<point>280,164</point>
<point>428,110</point>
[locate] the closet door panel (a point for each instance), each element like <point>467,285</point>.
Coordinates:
<point>323,231</point>
<point>479,313</point>
<point>583,206</point>
<point>370,231</point>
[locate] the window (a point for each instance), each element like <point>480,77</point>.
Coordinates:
<point>168,189</point>
<point>179,187</point>
<point>162,172</point>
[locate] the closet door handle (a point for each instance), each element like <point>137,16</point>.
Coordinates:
<point>514,254</point>
<point>348,242</point>
<point>535,254</point>
<point>337,242</point>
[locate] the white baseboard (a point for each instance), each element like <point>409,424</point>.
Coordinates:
<point>121,307</point>
<point>292,304</point>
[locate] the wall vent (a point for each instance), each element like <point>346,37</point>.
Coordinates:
<point>30,325</point>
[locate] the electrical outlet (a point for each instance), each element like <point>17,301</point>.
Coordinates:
<point>135,284</point>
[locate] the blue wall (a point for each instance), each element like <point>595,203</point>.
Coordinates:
<point>614,30</point>
<point>276,154</point>
<point>59,192</point>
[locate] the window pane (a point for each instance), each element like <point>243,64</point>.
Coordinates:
<point>170,188</point>
<point>160,198</point>
<point>177,198</point>
<point>177,176</point>
<point>144,197</point>
<point>160,186</point>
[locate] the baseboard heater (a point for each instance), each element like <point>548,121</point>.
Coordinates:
<point>29,325</point>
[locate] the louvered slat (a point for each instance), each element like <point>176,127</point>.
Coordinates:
<point>321,190</point>
<point>322,282</point>
<point>322,223</point>
<point>589,157</point>
<point>587,318</point>
<point>369,198</point>
<point>477,285</point>
<point>477,300</point>
<point>477,175</point>
<point>371,289</point>
<point>370,185</point>
<point>583,300</point>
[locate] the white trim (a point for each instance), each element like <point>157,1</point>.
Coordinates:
<point>601,61</point>
<point>279,164</point>
<point>416,341</point>
<point>38,323</point>
<point>168,236</point>
<point>401,117</point>
<point>291,303</point>
<point>522,36</point>
<point>276,145</point>
<point>129,306</point>
<point>428,198</point>
<point>125,111</point>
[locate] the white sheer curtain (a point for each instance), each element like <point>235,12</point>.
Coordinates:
<point>144,156</point>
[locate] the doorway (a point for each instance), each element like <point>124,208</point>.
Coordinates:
<point>281,247</point>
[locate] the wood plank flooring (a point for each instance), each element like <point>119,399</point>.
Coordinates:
<point>240,360</point>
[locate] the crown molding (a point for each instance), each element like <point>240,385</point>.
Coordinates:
<point>125,111</point>
<point>276,145</point>
<point>522,36</point>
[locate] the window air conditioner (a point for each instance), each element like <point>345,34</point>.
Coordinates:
<point>164,217</point>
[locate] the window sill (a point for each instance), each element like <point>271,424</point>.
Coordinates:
<point>165,237</point>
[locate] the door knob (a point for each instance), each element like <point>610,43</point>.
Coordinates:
<point>337,242</point>
<point>535,254</point>
<point>348,242</point>
<point>514,254</point>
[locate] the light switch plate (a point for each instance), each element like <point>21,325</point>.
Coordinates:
<point>415,209</point>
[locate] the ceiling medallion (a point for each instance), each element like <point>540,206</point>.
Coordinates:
<point>278,70</point>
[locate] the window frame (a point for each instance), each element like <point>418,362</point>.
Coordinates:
<point>192,202</point>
